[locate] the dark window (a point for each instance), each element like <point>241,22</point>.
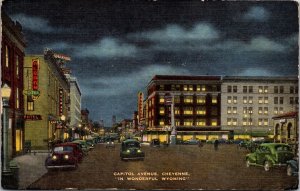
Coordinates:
<point>244,89</point>
<point>291,100</point>
<point>281,89</point>
<point>234,89</point>
<point>250,89</point>
<point>281,100</point>
<point>275,100</point>
<point>291,89</point>
<point>276,89</point>
<point>229,88</point>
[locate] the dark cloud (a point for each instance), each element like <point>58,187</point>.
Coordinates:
<point>117,47</point>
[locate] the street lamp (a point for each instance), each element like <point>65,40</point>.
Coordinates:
<point>5,92</point>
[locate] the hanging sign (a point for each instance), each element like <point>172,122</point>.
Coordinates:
<point>35,74</point>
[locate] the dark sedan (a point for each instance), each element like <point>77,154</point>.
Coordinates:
<point>131,150</point>
<point>64,155</point>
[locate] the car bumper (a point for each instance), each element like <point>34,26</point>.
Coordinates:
<point>60,166</point>
<point>133,157</point>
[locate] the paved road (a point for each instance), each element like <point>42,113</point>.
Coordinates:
<point>177,167</point>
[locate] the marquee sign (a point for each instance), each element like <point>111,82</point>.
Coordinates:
<point>140,106</point>
<point>62,56</point>
<point>35,74</point>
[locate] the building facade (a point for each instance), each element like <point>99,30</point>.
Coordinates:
<point>249,103</point>
<point>197,107</point>
<point>12,61</point>
<point>46,100</point>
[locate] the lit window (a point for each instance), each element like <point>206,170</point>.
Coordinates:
<point>244,121</point>
<point>203,88</point>
<point>266,122</point>
<point>161,87</point>
<point>185,87</point>
<point>201,111</point>
<point>188,99</point>
<point>266,110</point>
<point>162,110</point>
<point>214,100</point>
<point>234,110</point>
<point>234,122</point>
<point>245,110</point>
<point>234,99</point>
<point>177,122</point>
<point>229,121</point>
<point>201,99</point>
<point>30,104</point>
<point>244,99</point>
<point>17,65</point>
<point>177,111</point>
<point>17,98</point>
<point>228,110</point>
<point>260,89</point>
<point>266,89</point>
<point>188,122</point>
<point>188,111</point>
<point>275,110</point>
<point>260,100</point>
<point>266,100</point>
<point>200,122</point>
<point>161,122</point>
<point>161,99</point>
<point>229,99</point>
<point>250,121</point>
<point>281,110</point>
<point>198,88</point>
<point>260,110</point>
<point>214,122</point>
<point>191,88</point>
<point>250,100</point>
<point>6,56</point>
<point>260,122</point>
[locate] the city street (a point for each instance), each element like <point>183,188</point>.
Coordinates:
<point>173,167</point>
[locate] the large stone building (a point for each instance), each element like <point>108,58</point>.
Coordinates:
<point>12,61</point>
<point>46,100</point>
<point>214,107</point>
<point>197,107</point>
<point>249,103</point>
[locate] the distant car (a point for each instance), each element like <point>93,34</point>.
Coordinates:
<point>191,142</point>
<point>110,143</point>
<point>131,150</point>
<point>155,143</point>
<point>270,155</point>
<point>64,155</point>
<point>292,167</point>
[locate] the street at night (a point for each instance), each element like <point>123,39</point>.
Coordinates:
<point>173,167</point>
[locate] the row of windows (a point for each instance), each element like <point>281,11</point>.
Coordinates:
<point>189,87</point>
<point>261,100</point>
<point>262,89</point>
<point>7,60</point>
<point>247,121</point>
<point>191,122</point>
<point>188,99</point>
<point>189,111</point>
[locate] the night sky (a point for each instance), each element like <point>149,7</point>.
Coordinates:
<point>118,46</point>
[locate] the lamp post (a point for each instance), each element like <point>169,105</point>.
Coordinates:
<point>5,92</point>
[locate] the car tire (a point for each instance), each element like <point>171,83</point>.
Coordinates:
<point>289,170</point>
<point>267,165</point>
<point>248,163</point>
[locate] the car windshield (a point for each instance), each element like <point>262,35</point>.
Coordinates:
<point>133,144</point>
<point>63,149</point>
<point>283,148</point>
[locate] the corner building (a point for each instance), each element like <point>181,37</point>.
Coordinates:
<point>197,107</point>
<point>12,60</point>
<point>46,100</point>
<point>250,102</point>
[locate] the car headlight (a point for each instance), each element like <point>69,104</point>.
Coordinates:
<point>139,151</point>
<point>112,142</point>
<point>128,151</point>
<point>54,157</point>
<point>107,142</point>
<point>66,157</point>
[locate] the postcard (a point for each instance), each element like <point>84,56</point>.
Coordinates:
<point>149,95</point>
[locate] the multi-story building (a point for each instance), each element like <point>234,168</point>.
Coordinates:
<point>197,107</point>
<point>12,61</point>
<point>249,103</point>
<point>46,100</point>
<point>75,102</point>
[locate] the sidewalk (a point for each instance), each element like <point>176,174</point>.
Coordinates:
<point>31,167</point>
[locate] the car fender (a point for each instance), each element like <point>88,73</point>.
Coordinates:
<point>293,163</point>
<point>251,157</point>
<point>270,159</point>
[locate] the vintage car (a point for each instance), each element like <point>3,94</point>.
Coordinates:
<point>155,143</point>
<point>191,142</point>
<point>110,143</point>
<point>64,155</point>
<point>270,155</point>
<point>292,167</point>
<point>131,150</point>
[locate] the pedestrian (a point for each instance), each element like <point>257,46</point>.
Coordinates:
<point>216,144</point>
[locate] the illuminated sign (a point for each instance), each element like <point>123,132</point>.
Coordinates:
<point>60,101</point>
<point>140,106</point>
<point>35,74</point>
<point>62,56</point>
<point>32,117</point>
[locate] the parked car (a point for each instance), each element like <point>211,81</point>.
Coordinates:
<point>64,155</point>
<point>131,150</point>
<point>191,142</point>
<point>179,142</point>
<point>85,147</point>
<point>90,142</point>
<point>110,143</point>
<point>155,143</point>
<point>292,167</point>
<point>270,155</point>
